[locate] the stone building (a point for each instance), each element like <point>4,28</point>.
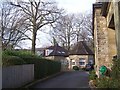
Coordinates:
<point>80,55</point>
<point>106,27</point>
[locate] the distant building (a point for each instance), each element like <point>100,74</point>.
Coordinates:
<point>106,27</point>
<point>56,50</point>
<point>57,53</point>
<point>81,55</point>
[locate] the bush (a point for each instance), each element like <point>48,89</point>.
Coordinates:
<point>115,73</point>
<point>92,75</point>
<point>104,82</point>
<point>10,57</point>
<point>42,67</point>
<point>18,53</point>
<point>75,68</point>
<point>113,80</point>
<point>12,60</point>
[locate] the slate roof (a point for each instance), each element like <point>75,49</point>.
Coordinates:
<point>57,51</point>
<point>81,49</point>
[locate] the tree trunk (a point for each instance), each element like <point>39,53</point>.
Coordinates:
<point>68,42</point>
<point>34,41</point>
<point>77,37</point>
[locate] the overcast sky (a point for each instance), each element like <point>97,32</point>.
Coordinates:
<point>70,6</point>
<point>76,6</point>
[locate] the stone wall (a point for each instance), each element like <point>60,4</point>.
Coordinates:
<point>104,39</point>
<point>100,36</point>
<point>50,57</point>
<point>76,59</point>
<point>112,50</point>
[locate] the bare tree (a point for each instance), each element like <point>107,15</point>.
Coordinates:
<point>88,29</point>
<point>79,21</point>
<point>83,26</point>
<point>63,31</point>
<point>12,25</point>
<point>72,29</point>
<point>39,14</point>
<point>88,23</point>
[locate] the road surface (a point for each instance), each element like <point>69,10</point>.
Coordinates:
<point>70,79</point>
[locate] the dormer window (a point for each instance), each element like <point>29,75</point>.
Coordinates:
<point>61,52</point>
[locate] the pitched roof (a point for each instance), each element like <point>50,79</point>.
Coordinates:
<point>81,49</point>
<point>57,51</point>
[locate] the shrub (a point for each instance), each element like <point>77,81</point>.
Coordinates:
<point>113,80</point>
<point>18,53</point>
<point>42,67</point>
<point>12,60</point>
<point>92,75</point>
<point>115,73</point>
<point>11,57</point>
<point>76,68</point>
<point>104,82</point>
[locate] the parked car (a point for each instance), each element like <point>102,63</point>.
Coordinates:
<point>89,67</point>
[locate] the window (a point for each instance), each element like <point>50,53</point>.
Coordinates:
<point>73,63</point>
<point>58,51</point>
<point>82,63</point>
<point>90,61</point>
<point>61,52</point>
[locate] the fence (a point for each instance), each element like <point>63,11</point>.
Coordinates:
<point>16,76</point>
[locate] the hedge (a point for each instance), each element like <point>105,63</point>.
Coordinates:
<point>12,60</point>
<point>42,67</point>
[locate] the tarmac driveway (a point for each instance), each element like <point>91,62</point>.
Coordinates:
<point>70,79</point>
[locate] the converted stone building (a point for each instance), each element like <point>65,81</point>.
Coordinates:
<point>106,27</point>
<point>80,55</point>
